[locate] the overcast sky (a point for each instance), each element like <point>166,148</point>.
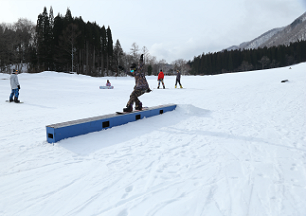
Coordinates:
<point>170,29</point>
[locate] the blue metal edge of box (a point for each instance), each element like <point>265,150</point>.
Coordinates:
<point>59,131</point>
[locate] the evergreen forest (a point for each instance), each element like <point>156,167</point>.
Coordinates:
<point>60,43</point>
<point>248,59</point>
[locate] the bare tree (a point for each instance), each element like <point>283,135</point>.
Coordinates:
<point>180,65</point>
<point>15,41</point>
<point>245,66</point>
<point>151,60</point>
<point>127,60</point>
<point>264,61</point>
<point>134,51</point>
<point>25,30</point>
<point>7,44</point>
<point>161,64</point>
<point>146,53</point>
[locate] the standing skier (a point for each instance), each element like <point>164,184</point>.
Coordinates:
<point>141,86</point>
<point>15,86</point>
<point>178,78</point>
<point>160,79</point>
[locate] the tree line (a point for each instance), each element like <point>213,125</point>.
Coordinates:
<point>64,43</point>
<point>248,60</point>
<point>61,43</point>
<point>68,44</point>
<point>16,42</point>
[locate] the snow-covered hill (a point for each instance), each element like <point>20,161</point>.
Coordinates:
<point>235,146</point>
<point>294,32</point>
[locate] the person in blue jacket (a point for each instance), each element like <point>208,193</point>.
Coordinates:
<point>15,86</point>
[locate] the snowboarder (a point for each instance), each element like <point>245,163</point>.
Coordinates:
<point>108,83</point>
<point>141,85</point>
<point>15,86</point>
<point>160,79</point>
<point>178,78</point>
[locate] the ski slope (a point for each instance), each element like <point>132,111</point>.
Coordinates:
<point>235,146</point>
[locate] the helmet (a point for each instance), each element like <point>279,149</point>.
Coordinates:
<point>133,66</point>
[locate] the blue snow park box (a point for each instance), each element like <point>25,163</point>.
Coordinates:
<point>59,131</point>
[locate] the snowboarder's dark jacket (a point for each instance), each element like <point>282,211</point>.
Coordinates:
<point>178,76</point>
<point>140,79</point>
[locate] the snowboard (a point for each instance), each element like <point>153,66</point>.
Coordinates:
<point>143,108</point>
<point>12,102</point>
<point>106,87</point>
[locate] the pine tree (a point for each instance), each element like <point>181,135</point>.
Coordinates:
<point>109,47</point>
<point>150,69</point>
<point>43,40</point>
<point>118,53</point>
<point>103,48</point>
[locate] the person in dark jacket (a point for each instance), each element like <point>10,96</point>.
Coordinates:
<point>160,79</point>
<point>178,79</point>
<point>15,86</point>
<point>141,86</point>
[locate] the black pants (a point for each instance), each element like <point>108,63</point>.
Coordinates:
<point>134,97</point>
<point>177,81</point>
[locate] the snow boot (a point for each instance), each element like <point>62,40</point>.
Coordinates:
<point>128,108</point>
<point>158,87</point>
<point>16,100</point>
<point>139,107</point>
<point>175,86</point>
<point>11,100</point>
<point>181,86</point>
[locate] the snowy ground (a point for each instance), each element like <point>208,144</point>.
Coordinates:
<point>235,146</point>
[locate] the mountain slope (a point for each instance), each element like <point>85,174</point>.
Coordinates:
<point>278,36</point>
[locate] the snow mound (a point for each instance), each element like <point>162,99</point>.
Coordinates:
<point>191,110</point>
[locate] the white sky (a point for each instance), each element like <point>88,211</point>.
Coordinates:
<point>170,29</point>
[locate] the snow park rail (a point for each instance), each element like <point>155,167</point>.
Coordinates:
<point>59,131</point>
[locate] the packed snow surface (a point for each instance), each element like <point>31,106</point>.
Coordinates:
<point>234,146</point>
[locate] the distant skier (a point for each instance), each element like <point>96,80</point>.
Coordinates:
<point>15,86</point>
<point>160,79</point>
<point>108,83</point>
<point>178,78</point>
<point>141,85</point>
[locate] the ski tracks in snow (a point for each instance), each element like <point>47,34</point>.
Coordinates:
<point>203,162</point>
<point>230,153</point>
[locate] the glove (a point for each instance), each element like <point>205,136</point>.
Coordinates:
<point>148,90</point>
<point>18,86</point>
<point>120,67</point>
<point>141,58</point>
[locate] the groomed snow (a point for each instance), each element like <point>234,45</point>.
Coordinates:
<point>235,146</point>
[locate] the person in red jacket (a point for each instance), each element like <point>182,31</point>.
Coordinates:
<point>160,79</point>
